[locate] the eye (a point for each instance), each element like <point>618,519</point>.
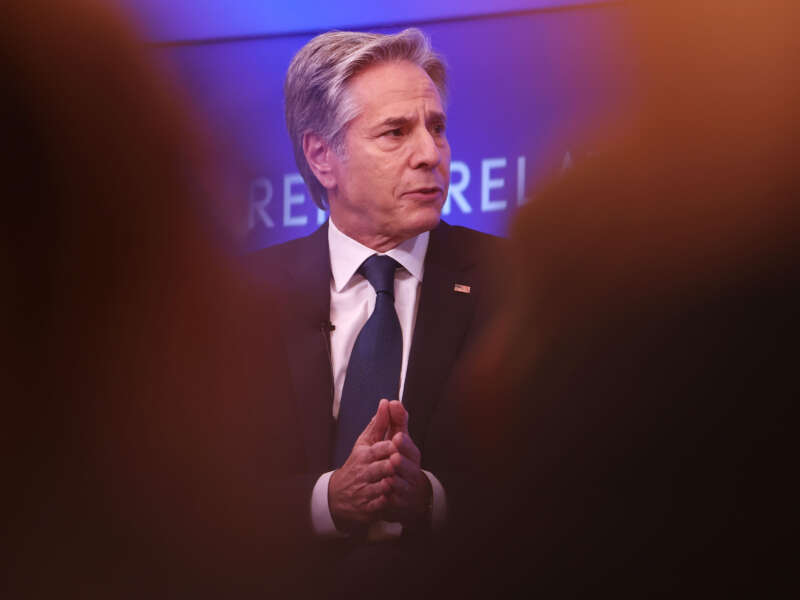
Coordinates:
<point>396,132</point>
<point>438,128</point>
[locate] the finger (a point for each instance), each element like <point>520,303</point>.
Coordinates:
<point>373,490</point>
<point>381,450</point>
<point>398,417</point>
<point>382,419</point>
<point>377,504</point>
<point>406,446</point>
<point>398,486</point>
<point>378,470</point>
<point>376,429</point>
<point>404,468</point>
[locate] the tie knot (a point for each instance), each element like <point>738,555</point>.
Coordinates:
<point>379,271</point>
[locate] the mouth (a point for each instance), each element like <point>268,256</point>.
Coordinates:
<point>425,191</point>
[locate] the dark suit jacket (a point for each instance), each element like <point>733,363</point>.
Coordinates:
<point>448,322</point>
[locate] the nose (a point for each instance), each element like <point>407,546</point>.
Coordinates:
<point>425,153</point>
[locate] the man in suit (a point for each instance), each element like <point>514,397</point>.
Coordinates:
<point>366,116</point>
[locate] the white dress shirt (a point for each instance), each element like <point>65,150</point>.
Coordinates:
<point>352,302</point>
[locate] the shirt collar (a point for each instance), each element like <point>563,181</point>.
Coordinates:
<point>347,255</point>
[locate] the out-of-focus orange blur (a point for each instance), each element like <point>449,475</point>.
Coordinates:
<point>628,415</point>
<point>137,424</point>
<point>629,411</point>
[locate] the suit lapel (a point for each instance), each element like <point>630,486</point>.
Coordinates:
<point>307,343</point>
<point>443,319</point>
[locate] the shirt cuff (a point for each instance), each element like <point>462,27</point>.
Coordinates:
<point>321,519</point>
<point>438,501</point>
<point>322,522</point>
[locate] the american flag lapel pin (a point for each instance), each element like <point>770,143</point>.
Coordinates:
<point>461,288</point>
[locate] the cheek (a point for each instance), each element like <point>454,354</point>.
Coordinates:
<point>389,176</point>
<point>377,169</point>
<point>446,151</point>
<point>444,165</point>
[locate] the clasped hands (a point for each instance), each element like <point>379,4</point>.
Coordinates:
<point>382,478</point>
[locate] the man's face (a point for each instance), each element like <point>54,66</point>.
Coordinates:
<point>392,179</point>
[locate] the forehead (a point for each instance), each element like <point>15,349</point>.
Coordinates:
<point>387,88</point>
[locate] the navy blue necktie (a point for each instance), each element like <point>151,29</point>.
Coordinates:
<point>373,371</point>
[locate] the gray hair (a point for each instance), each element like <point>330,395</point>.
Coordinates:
<point>315,89</point>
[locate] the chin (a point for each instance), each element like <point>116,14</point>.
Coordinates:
<point>425,221</point>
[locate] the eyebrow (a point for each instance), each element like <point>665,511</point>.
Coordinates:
<point>395,122</point>
<point>436,117</point>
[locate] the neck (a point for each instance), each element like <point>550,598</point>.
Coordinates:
<point>375,241</point>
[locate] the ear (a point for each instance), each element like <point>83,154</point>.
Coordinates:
<point>321,159</point>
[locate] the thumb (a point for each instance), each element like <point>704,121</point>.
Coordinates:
<point>398,416</point>
<point>376,429</point>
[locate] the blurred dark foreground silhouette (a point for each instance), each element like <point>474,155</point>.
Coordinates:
<point>634,406</point>
<point>630,410</point>
<point>137,433</point>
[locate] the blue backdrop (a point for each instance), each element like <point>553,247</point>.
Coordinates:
<point>524,87</point>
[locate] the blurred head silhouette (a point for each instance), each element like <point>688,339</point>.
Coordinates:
<point>630,406</point>
<point>135,406</point>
